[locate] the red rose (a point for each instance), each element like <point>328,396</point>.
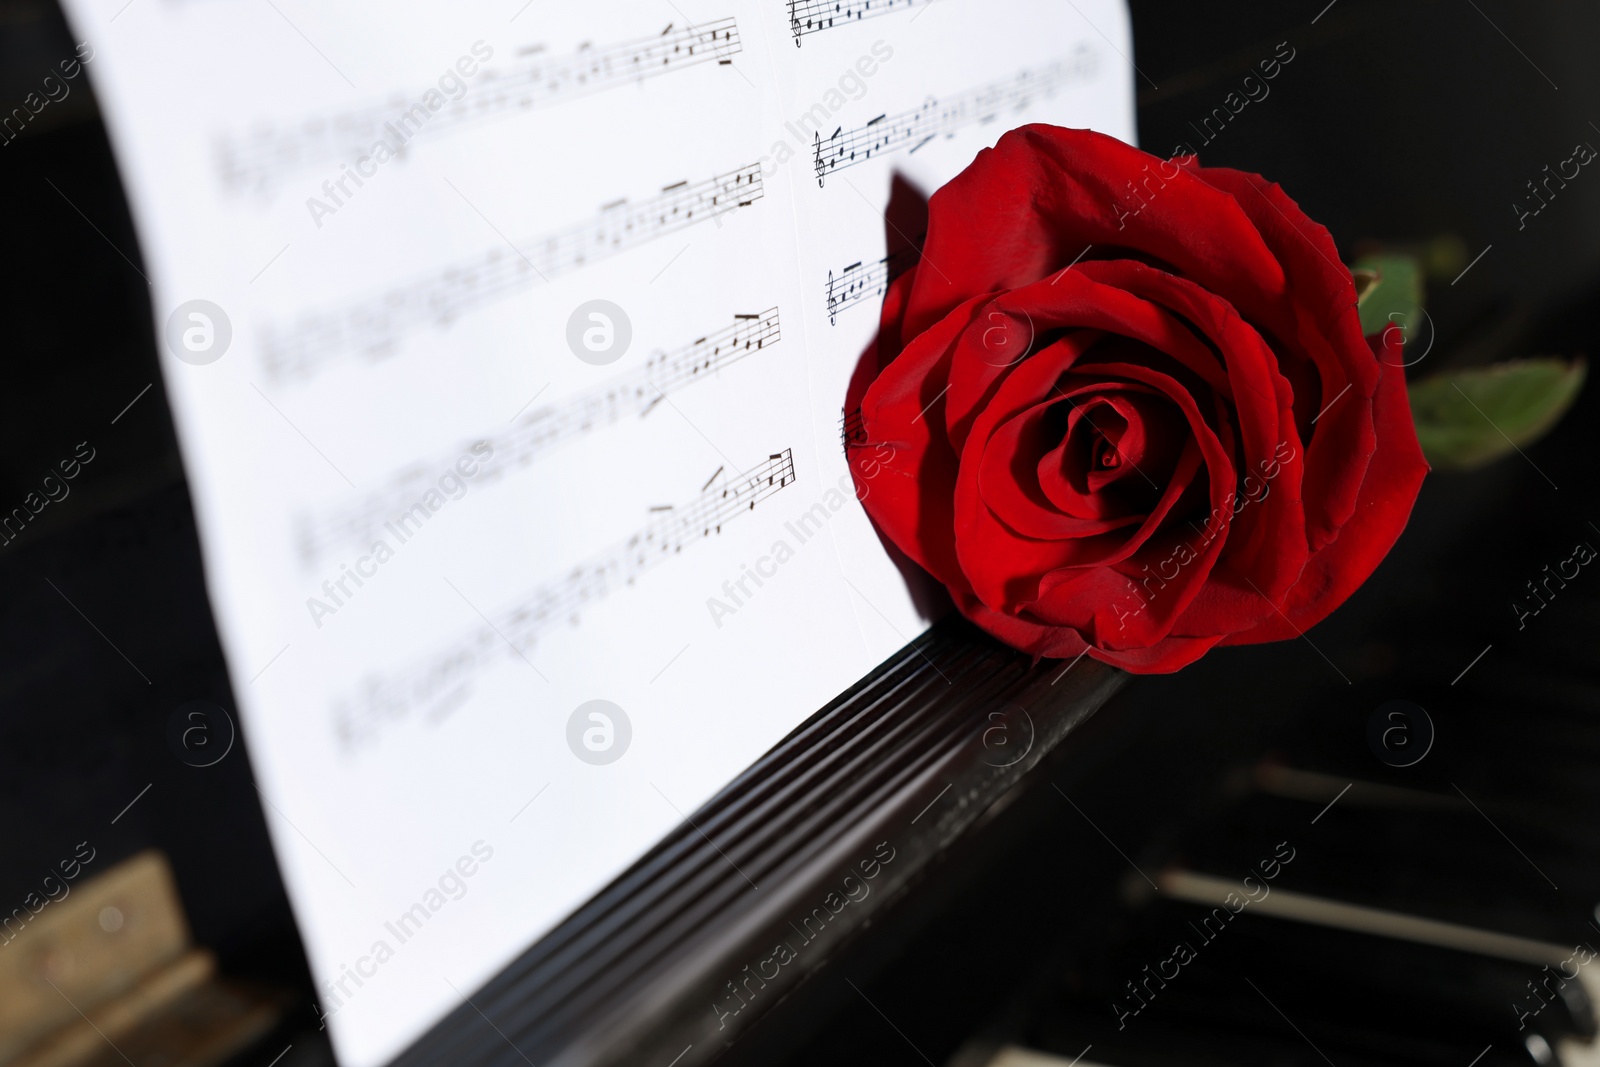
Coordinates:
<point>1124,404</point>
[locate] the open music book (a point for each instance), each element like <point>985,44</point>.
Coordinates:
<point>507,344</point>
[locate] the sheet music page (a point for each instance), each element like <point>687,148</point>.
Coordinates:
<point>507,344</point>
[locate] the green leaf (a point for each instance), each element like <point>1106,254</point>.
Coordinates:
<point>1392,292</point>
<point>1467,418</point>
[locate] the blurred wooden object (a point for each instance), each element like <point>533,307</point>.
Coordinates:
<point>108,973</point>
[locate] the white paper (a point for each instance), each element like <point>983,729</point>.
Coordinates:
<point>395,330</point>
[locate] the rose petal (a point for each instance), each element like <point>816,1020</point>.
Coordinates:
<point>1062,642</point>
<point>1031,495</point>
<point>1030,206</point>
<point>1163,657</point>
<point>1320,301</point>
<point>1382,510</point>
<point>1091,312</point>
<point>1267,547</point>
<point>911,487</point>
<point>1003,568</point>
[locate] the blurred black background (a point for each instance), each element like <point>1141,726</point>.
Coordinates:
<point>1398,122</point>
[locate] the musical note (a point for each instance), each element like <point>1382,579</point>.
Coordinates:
<point>635,393</point>
<point>446,675</point>
<point>299,348</point>
<point>264,157</point>
<point>889,133</point>
<point>812,16</point>
<point>861,282</point>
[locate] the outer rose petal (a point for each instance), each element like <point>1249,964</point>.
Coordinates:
<point>1029,205</point>
<point>1057,642</point>
<point>1382,509</point>
<point>1326,325</point>
<point>912,490</point>
<point>1164,657</point>
<point>1060,642</point>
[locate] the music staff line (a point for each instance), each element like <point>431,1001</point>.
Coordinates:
<point>860,281</point>
<point>299,349</point>
<point>814,16</point>
<point>445,679</point>
<point>634,393</point>
<point>260,159</point>
<point>914,129</point>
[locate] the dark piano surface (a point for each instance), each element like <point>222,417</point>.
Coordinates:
<point>1399,121</point>
<point>1246,758</point>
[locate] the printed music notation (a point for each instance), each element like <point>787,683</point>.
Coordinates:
<point>635,393</point>
<point>889,133</point>
<point>299,348</point>
<point>860,282</point>
<point>812,16</point>
<point>532,80</point>
<point>852,429</point>
<point>444,680</point>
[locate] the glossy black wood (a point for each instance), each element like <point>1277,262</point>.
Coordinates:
<point>679,955</point>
